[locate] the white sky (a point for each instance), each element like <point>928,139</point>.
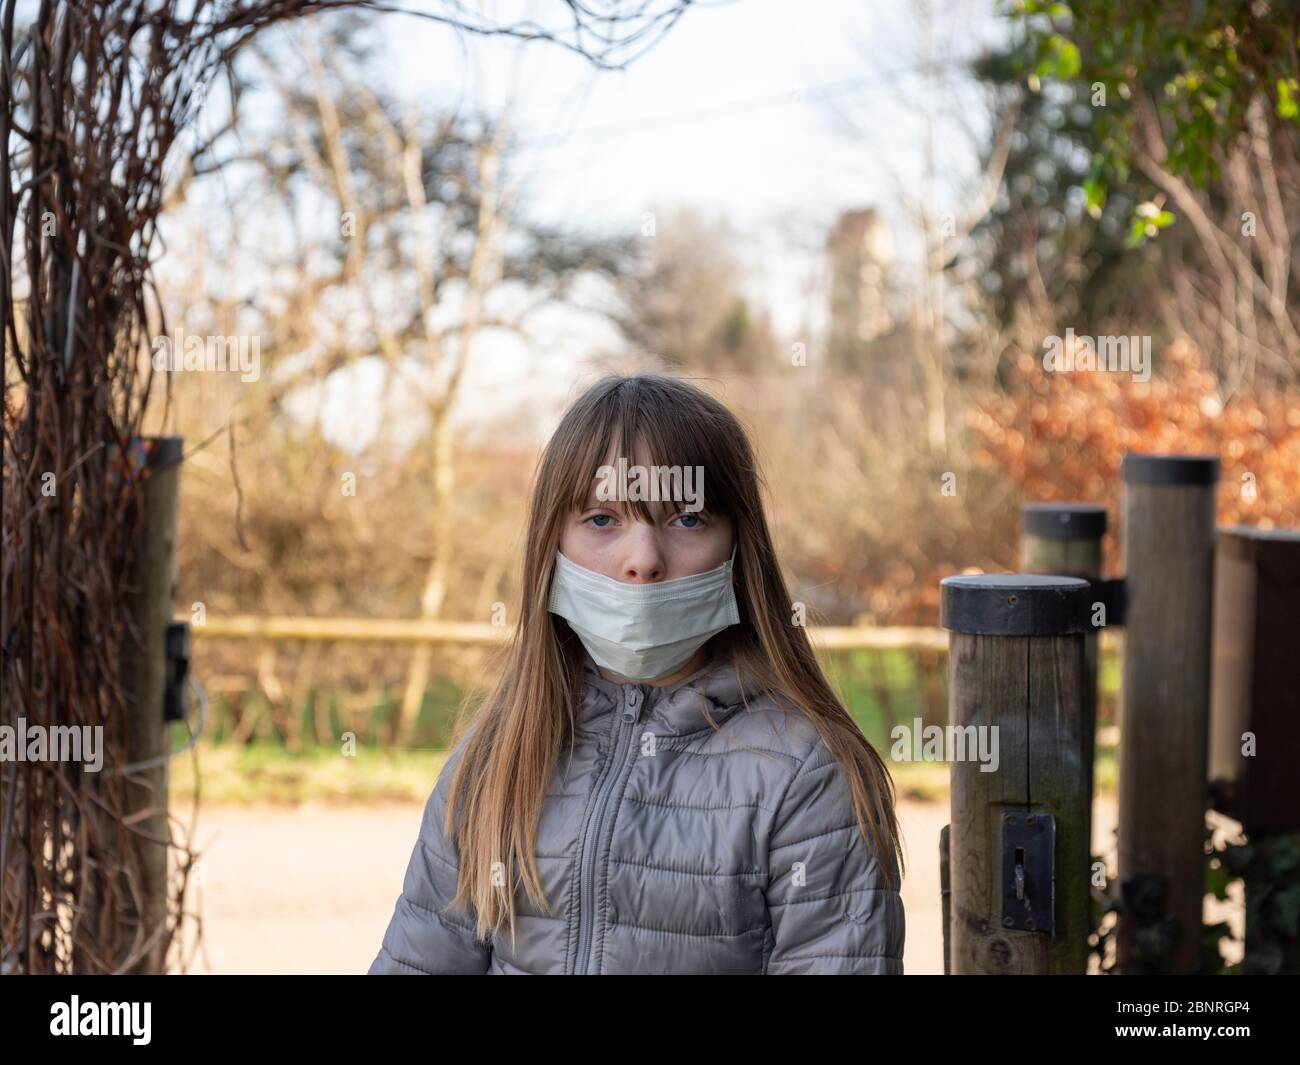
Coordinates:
<point>773,113</point>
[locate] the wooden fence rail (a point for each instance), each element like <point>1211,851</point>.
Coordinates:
<point>401,630</point>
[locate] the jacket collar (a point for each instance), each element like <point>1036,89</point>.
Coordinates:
<point>714,692</point>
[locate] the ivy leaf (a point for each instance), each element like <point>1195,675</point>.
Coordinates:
<point>1068,61</point>
<point>1284,854</point>
<point>1094,194</point>
<point>1285,910</point>
<point>1288,106</point>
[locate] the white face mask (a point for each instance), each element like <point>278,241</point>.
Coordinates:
<point>643,631</point>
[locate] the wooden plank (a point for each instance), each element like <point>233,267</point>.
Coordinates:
<point>1060,784</point>
<point>945,895</point>
<point>402,630</point>
<point>152,604</point>
<point>988,685</point>
<point>1168,535</point>
<point>1074,557</point>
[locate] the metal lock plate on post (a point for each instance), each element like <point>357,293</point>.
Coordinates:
<point>1029,871</point>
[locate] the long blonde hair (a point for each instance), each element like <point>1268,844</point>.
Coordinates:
<point>500,782</point>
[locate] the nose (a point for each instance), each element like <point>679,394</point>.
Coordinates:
<point>643,561</point>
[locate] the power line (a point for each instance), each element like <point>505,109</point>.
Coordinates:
<point>823,90</point>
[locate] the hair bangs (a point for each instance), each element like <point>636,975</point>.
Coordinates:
<point>636,425</point>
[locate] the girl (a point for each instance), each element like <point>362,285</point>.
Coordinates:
<point>663,780</point>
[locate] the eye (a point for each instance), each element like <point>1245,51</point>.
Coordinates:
<point>691,517</point>
<point>599,520</point>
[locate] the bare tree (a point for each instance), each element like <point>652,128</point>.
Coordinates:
<point>94,98</point>
<point>1246,239</point>
<point>684,307</point>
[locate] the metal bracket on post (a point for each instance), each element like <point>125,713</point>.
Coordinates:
<point>1029,872</point>
<point>178,671</point>
<point>1110,592</point>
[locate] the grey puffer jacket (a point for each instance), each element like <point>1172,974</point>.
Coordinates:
<point>668,847</point>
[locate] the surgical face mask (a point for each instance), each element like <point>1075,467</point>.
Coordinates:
<point>643,631</point>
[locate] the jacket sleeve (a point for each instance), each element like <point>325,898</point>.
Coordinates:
<point>424,935</point>
<point>831,910</point>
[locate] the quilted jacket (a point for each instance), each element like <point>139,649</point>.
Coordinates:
<point>668,847</point>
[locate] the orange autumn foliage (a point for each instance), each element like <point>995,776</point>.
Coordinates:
<point>1062,436</point>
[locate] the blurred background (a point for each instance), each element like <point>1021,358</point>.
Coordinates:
<point>858,225</point>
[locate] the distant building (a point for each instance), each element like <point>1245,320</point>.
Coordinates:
<point>860,250</point>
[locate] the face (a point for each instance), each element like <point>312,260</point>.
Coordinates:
<point>599,537</point>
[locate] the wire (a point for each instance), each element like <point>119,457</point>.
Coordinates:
<point>824,89</point>
<point>150,763</point>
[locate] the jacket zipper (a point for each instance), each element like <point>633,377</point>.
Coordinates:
<point>593,833</point>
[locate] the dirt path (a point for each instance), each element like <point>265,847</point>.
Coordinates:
<point>311,889</point>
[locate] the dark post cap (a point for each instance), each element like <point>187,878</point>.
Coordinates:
<point>144,456</point>
<point>1253,532</point>
<point>1014,604</point>
<point>1064,521</point>
<point>1169,469</point>
<point>156,450</point>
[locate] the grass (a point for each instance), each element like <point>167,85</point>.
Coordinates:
<point>879,689</point>
<point>265,773</point>
<point>261,773</point>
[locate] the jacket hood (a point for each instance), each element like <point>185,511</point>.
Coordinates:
<point>712,693</point>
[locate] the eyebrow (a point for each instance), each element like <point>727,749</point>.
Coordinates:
<point>624,506</point>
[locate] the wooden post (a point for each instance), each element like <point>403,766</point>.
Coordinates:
<point>1168,531</point>
<point>156,461</point>
<point>1020,893</point>
<point>1255,711</point>
<point>1065,539</point>
<point>1257,678</point>
<point>945,897</point>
